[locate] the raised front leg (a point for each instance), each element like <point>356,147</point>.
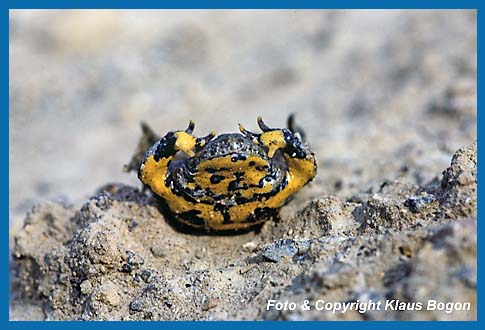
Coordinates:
<point>302,165</point>
<point>154,169</point>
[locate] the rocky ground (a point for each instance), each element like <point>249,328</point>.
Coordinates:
<point>388,102</point>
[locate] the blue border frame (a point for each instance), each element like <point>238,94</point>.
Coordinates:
<point>262,4</point>
<point>212,4</point>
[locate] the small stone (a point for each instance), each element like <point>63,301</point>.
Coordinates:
<point>86,287</point>
<point>157,251</point>
<point>285,247</point>
<point>416,203</point>
<point>136,305</point>
<point>132,224</point>
<point>126,268</point>
<point>250,246</point>
<point>134,259</point>
<point>303,246</point>
<point>107,293</point>
<point>209,304</point>
<point>146,275</point>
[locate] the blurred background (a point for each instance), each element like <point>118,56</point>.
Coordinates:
<point>381,94</point>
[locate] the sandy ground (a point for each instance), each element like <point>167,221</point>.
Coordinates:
<point>386,99</point>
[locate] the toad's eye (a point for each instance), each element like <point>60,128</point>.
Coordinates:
<point>294,145</point>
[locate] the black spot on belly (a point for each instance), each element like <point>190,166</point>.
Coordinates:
<point>262,213</point>
<point>262,168</point>
<point>192,217</point>
<point>239,175</point>
<point>215,179</point>
<point>252,163</point>
<point>212,170</point>
<point>235,184</point>
<point>224,211</point>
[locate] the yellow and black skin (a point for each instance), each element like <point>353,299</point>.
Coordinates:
<point>229,182</point>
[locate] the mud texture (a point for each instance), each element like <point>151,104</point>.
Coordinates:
<point>117,257</point>
<point>387,100</point>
